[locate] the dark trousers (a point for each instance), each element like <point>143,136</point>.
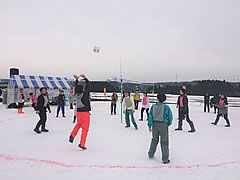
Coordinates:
<point>113,108</point>
<point>136,104</point>
<point>160,129</point>
<point>182,116</point>
<point>206,106</point>
<point>20,105</point>
<point>142,111</point>
<point>71,105</point>
<point>34,106</point>
<point>43,118</point>
<point>225,116</point>
<point>62,108</point>
<point>215,110</point>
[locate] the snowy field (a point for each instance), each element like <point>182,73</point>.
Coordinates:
<point>213,152</point>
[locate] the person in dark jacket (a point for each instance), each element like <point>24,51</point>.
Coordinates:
<point>71,99</point>
<point>21,100</point>
<point>223,110</point>
<point>206,103</point>
<point>41,110</point>
<point>114,103</point>
<point>214,101</point>
<point>61,103</point>
<point>183,111</point>
<point>82,96</point>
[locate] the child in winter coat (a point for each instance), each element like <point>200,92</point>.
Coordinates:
<point>34,100</point>
<point>145,105</point>
<point>206,103</point>
<point>214,101</point>
<point>128,110</point>
<point>82,96</point>
<point>223,110</point>
<point>21,100</point>
<point>41,110</point>
<point>160,118</point>
<point>71,99</point>
<point>114,103</point>
<point>136,98</point>
<point>183,111</point>
<point>61,103</point>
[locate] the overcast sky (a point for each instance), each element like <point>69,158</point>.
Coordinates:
<point>155,39</point>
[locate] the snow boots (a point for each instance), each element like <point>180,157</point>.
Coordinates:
<point>192,127</point>
<point>179,126</point>
<point>71,138</point>
<point>166,162</point>
<point>190,124</point>
<point>82,147</point>
<point>63,114</point>
<point>37,131</point>
<point>44,130</point>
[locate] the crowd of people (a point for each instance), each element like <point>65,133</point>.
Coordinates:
<point>159,114</point>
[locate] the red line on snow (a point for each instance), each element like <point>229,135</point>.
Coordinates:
<point>56,163</point>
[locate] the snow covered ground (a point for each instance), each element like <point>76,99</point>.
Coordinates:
<point>213,152</point>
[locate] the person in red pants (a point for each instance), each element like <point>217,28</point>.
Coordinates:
<point>82,96</point>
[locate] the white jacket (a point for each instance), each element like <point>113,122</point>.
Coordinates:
<point>125,106</point>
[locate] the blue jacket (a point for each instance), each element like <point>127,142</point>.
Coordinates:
<point>168,117</point>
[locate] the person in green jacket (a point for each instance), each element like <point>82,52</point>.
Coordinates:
<point>136,98</point>
<point>160,117</point>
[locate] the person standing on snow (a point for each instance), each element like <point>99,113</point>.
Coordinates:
<point>41,110</point>
<point>128,110</point>
<point>206,103</point>
<point>114,103</point>
<point>136,98</point>
<point>223,110</point>
<point>82,96</point>
<point>61,101</point>
<point>71,99</point>
<point>21,100</point>
<point>160,118</point>
<point>214,101</point>
<point>34,100</point>
<point>145,105</point>
<point>183,111</point>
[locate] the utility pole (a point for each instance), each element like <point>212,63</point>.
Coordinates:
<point>121,79</point>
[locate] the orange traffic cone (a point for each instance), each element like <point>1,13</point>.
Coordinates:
<point>21,111</point>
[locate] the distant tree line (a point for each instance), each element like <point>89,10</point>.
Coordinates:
<point>98,86</point>
<point>211,87</point>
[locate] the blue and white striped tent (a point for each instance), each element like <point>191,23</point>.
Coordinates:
<point>36,82</point>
